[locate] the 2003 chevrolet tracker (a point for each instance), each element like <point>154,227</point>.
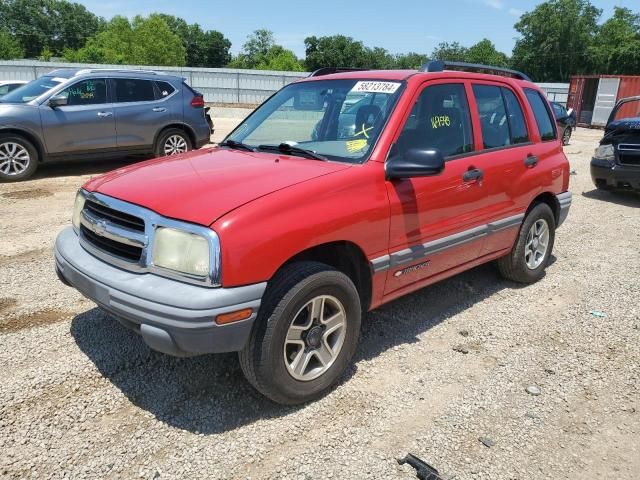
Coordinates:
<point>341,192</point>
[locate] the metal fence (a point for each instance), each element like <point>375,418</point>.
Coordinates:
<point>219,85</point>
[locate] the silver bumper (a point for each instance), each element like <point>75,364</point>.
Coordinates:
<point>173,317</point>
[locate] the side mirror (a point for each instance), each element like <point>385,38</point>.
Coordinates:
<point>415,163</point>
<point>58,101</point>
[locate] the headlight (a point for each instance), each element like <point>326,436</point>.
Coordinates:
<point>604,152</point>
<point>77,208</point>
<point>181,251</point>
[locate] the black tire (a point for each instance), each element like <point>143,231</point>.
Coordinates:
<point>32,165</point>
<point>514,266</point>
<point>566,136</point>
<point>263,361</point>
<point>165,135</point>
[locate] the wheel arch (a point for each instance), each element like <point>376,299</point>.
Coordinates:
<point>30,137</point>
<point>346,257</point>
<point>180,126</point>
<point>549,199</point>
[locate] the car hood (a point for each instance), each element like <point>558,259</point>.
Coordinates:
<point>625,124</point>
<point>202,186</point>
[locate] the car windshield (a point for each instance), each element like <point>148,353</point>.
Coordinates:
<point>335,119</point>
<point>32,90</point>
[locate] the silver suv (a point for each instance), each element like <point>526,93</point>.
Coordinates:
<point>73,113</point>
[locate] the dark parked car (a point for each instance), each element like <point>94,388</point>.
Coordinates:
<point>91,113</point>
<point>566,120</point>
<point>616,162</point>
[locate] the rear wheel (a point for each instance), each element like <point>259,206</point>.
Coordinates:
<point>530,254</point>
<point>566,136</point>
<point>305,335</point>
<point>172,141</point>
<point>18,158</point>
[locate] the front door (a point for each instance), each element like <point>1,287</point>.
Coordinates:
<point>85,124</point>
<point>437,222</point>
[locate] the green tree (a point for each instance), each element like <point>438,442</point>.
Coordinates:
<point>335,51</point>
<point>143,41</point>
<point>453,52</point>
<point>485,52</point>
<point>204,48</point>
<point>261,52</point>
<point>53,24</point>
<point>10,48</point>
<point>410,61</point>
<point>616,47</point>
<point>555,38</point>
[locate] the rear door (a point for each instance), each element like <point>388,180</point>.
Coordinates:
<point>85,124</point>
<point>507,156</point>
<point>436,221</point>
<point>142,109</point>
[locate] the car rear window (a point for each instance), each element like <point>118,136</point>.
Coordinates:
<point>165,89</point>
<point>134,90</point>
<point>546,124</point>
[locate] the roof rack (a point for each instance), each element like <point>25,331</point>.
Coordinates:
<point>329,70</point>
<point>440,65</point>
<point>118,70</point>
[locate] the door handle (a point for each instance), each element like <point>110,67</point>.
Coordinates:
<point>159,109</point>
<point>531,161</point>
<point>472,175</point>
<point>104,114</point>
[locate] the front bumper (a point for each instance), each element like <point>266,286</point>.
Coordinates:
<point>609,176</point>
<point>171,316</point>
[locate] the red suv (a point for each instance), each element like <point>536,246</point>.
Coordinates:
<point>340,193</point>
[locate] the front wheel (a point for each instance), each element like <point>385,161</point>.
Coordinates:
<point>305,335</point>
<point>172,141</point>
<point>18,158</point>
<point>566,136</point>
<point>530,255</point>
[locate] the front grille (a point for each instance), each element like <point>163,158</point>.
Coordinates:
<point>111,247</point>
<point>114,216</point>
<point>629,154</point>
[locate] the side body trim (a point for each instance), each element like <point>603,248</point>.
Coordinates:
<point>423,250</point>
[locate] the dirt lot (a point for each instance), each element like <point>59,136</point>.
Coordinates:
<point>435,372</point>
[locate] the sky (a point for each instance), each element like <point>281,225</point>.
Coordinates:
<point>399,26</point>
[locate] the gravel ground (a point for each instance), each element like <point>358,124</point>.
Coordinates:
<point>435,372</point>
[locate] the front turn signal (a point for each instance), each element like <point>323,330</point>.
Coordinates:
<point>236,316</point>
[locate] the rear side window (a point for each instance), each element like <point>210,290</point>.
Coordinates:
<point>493,116</point>
<point>546,124</point>
<point>133,90</point>
<point>517,124</point>
<point>440,119</point>
<point>165,89</point>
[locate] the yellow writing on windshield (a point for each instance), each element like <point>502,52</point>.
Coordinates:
<point>439,121</point>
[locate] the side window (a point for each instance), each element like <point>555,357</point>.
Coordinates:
<point>546,124</point>
<point>165,89</point>
<point>132,90</point>
<point>4,89</point>
<point>493,116</point>
<point>439,119</point>
<point>86,92</point>
<point>517,124</point>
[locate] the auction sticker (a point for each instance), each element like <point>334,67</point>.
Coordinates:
<point>375,87</point>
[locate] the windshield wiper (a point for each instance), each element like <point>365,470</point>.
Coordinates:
<point>290,149</point>
<point>236,145</point>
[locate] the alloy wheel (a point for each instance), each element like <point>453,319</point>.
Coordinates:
<point>14,158</point>
<point>537,243</point>
<point>315,337</point>
<point>175,144</point>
